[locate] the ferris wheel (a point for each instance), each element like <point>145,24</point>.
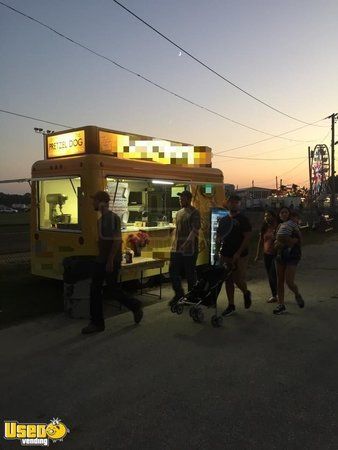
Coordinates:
<point>320,169</point>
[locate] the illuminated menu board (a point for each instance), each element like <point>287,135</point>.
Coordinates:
<point>66,144</point>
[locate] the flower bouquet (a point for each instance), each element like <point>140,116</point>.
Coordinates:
<point>137,241</point>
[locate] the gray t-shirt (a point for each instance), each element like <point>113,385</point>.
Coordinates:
<point>187,219</point>
<point>109,229</point>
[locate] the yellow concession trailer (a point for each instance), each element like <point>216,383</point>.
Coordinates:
<point>142,175</point>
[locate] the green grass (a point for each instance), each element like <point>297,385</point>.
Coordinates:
<point>20,218</point>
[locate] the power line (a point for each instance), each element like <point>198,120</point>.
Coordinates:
<point>278,149</point>
<point>269,139</point>
<point>214,154</point>
<point>255,159</point>
<point>260,153</point>
<point>223,156</point>
<point>275,150</point>
<point>152,82</point>
<point>208,67</point>
<point>35,118</point>
<point>249,145</point>
<point>284,173</point>
<point>293,168</point>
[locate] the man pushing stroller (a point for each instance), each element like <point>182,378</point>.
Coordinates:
<point>233,236</point>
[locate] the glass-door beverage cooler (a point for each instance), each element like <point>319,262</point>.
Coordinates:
<point>216,215</point>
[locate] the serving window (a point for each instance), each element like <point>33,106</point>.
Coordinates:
<point>58,204</point>
<point>145,203</point>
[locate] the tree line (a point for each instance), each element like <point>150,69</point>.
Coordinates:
<point>10,199</point>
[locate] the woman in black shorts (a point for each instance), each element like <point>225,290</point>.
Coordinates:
<point>286,266</point>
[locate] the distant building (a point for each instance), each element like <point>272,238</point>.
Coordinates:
<point>287,200</point>
<point>229,189</point>
<point>254,197</point>
<point>254,192</point>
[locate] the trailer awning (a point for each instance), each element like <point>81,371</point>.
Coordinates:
<point>17,180</point>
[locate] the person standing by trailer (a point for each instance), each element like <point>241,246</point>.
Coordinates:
<point>233,236</point>
<point>107,265</point>
<point>266,241</point>
<point>184,250</point>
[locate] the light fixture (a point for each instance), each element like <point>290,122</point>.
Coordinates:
<point>42,131</point>
<point>161,182</point>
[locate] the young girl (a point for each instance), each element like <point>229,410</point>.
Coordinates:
<point>286,265</point>
<point>286,232</point>
<point>266,241</point>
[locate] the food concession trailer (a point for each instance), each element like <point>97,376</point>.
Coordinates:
<point>142,175</point>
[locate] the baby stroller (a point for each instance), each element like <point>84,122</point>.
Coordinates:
<point>204,293</point>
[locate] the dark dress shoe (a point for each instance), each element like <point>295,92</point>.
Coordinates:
<point>92,328</point>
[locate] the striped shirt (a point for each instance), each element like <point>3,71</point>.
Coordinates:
<point>287,228</point>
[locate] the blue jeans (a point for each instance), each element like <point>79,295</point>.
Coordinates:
<point>179,263</point>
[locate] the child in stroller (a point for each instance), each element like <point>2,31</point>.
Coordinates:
<point>204,293</point>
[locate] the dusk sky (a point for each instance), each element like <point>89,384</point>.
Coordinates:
<point>283,53</point>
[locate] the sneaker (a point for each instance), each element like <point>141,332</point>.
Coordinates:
<point>272,300</point>
<point>280,309</point>
<point>138,315</point>
<point>92,328</point>
<point>175,299</point>
<point>229,310</point>
<point>247,299</point>
<point>299,300</point>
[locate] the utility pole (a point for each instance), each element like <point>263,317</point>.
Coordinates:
<point>333,172</point>
<point>333,118</point>
<point>310,171</point>
<point>310,199</point>
<point>253,192</point>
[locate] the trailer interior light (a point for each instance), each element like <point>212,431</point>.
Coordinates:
<point>161,182</point>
